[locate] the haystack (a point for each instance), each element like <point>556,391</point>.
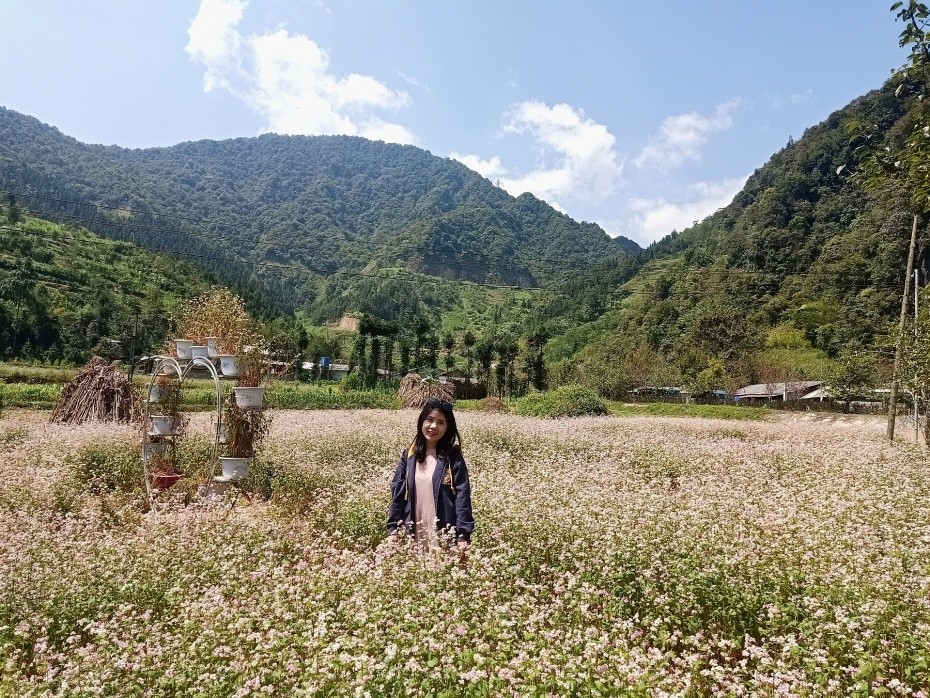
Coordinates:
<point>99,393</point>
<point>415,391</point>
<point>492,404</point>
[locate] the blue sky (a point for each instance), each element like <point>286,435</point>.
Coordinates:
<point>642,117</point>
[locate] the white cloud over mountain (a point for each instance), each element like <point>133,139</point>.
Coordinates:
<point>682,137</point>
<point>288,79</point>
<point>578,156</point>
<point>653,219</point>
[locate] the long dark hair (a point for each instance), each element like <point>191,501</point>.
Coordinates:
<point>449,442</point>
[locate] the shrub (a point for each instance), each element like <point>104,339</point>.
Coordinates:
<point>567,401</point>
<point>108,467</point>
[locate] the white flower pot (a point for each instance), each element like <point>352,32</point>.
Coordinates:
<point>199,351</point>
<point>213,347</point>
<point>229,365</point>
<point>162,425</point>
<point>249,398</point>
<point>235,468</point>
<point>183,347</point>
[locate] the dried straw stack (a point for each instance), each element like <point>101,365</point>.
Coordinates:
<point>415,391</point>
<point>99,393</point>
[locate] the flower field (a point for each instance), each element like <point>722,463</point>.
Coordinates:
<point>639,556</point>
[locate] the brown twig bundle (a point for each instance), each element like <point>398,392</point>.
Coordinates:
<point>414,391</point>
<point>492,404</point>
<point>99,393</point>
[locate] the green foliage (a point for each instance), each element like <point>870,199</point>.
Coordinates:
<point>66,294</point>
<point>673,409</point>
<point>331,212</point>
<point>108,467</point>
<point>36,395</point>
<point>567,401</point>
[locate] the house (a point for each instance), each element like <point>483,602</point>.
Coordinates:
<point>454,375</point>
<point>789,391</point>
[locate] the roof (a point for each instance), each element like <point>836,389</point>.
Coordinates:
<point>770,390</point>
<point>818,394</point>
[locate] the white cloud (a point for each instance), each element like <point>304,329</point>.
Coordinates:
<point>214,41</point>
<point>655,218</point>
<point>492,168</point>
<point>795,99</point>
<point>583,163</point>
<point>681,137</point>
<point>287,78</point>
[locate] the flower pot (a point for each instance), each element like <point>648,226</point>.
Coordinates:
<point>162,481</point>
<point>183,348</point>
<point>213,347</point>
<point>162,425</point>
<point>229,365</point>
<point>199,351</point>
<point>235,468</point>
<point>249,398</point>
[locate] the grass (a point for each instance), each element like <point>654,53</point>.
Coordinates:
<point>41,396</point>
<point>11,372</point>
<point>672,409</point>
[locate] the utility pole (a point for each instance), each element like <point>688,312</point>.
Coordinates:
<point>893,397</point>
<point>916,391</point>
<point>135,334</point>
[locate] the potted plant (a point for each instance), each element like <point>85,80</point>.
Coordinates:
<point>245,430</point>
<point>168,421</point>
<point>160,448</point>
<point>249,391</point>
<point>164,467</point>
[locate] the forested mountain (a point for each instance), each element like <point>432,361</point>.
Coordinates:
<point>302,222</point>
<point>801,268</point>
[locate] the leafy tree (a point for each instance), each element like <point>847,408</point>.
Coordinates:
<point>448,346</point>
<point>852,376</point>
<point>468,341</point>
<point>13,214</point>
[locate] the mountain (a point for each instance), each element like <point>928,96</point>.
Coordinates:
<point>803,267</point>
<point>302,222</point>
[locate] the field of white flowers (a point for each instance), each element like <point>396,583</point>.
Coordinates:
<point>633,557</point>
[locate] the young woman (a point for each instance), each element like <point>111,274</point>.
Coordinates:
<point>430,493</point>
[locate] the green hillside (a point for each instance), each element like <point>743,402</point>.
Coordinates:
<point>66,293</point>
<point>300,222</point>
<point>801,267</point>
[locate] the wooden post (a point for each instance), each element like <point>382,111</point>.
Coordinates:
<point>893,398</point>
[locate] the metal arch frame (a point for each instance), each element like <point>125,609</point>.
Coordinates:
<point>171,363</point>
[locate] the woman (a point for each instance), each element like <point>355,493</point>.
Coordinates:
<point>430,492</point>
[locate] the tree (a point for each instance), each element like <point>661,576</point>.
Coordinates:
<point>535,358</point>
<point>484,354</point>
<point>448,345</point>
<point>468,341</point>
<point>903,164</point>
<point>13,214</point>
<point>851,377</point>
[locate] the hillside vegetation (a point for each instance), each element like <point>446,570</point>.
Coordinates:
<point>801,274</point>
<point>801,268</point>
<point>66,293</point>
<point>301,222</point>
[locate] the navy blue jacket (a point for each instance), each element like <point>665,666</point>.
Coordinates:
<point>453,498</point>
